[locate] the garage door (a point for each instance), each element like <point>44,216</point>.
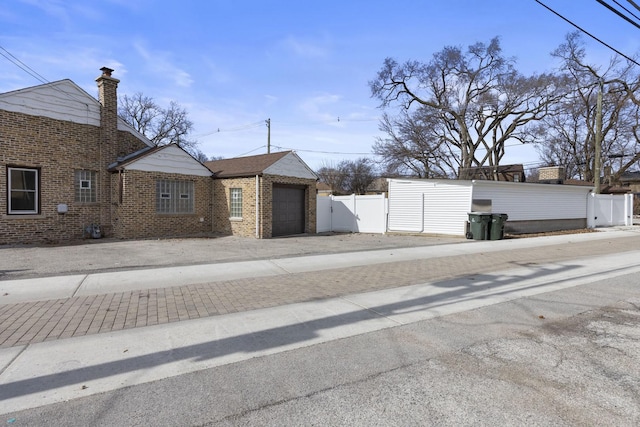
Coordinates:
<point>288,210</point>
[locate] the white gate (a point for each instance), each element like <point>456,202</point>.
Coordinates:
<point>352,214</point>
<point>610,210</point>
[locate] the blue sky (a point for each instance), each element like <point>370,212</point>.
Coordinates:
<point>303,64</point>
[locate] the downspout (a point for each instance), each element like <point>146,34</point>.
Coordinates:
<point>257,206</point>
<point>213,205</point>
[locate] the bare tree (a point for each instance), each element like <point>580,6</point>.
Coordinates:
<point>570,130</point>
<point>475,100</point>
<point>334,175</point>
<point>348,176</point>
<point>200,156</point>
<point>360,175</point>
<point>412,147</point>
<point>161,125</point>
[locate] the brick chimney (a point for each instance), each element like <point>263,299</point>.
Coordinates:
<point>109,147</point>
<point>108,97</point>
<point>551,175</point>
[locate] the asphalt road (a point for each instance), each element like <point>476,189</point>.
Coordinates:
<point>561,357</point>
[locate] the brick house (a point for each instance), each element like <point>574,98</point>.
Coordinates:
<point>264,196</point>
<point>68,162</point>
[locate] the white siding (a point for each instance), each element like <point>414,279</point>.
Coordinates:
<point>446,208</point>
<point>406,208</point>
<point>61,100</point>
<point>291,165</point>
<point>523,202</point>
<point>429,206</point>
<point>170,159</point>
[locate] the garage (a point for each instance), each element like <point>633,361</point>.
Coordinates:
<point>288,210</point>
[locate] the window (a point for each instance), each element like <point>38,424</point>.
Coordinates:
<point>516,177</point>
<point>174,197</point>
<point>23,188</point>
<point>235,210</point>
<point>86,186</point>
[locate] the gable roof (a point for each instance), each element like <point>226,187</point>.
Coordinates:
<point>169,158</point>
<point>251,165</point>
<point>61,100</point>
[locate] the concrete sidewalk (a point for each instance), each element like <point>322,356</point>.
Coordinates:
<point>226,307</point>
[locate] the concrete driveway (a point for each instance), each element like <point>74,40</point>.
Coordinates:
<point>102,255</point>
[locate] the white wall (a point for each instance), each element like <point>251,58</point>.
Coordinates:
<point>525,202</point>
<point>406,206</point>
<point>443,206</point>
<point>429,206</point>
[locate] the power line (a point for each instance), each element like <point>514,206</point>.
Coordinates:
<point>236,129</point>
<point>586,32</point>
<point>617,12</point>
<point>27,69</point>
<point>24,67</point>
<point>325,152</point>
<point>249,152</point>
<point>626,10</point>
<point>634,4</point>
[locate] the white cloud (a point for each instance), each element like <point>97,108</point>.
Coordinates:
<point>271,100</point>
<point>304,48</point>
<point>316,108</point>
<point>159,63</point>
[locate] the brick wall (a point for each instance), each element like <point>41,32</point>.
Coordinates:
<point>58,148</point>
<point>247,225</point>
<point>135,216</point>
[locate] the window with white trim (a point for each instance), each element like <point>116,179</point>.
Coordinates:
<point>235,205</point>
<point>86,186</point>
<point>23,188</point>
<point>174,197</point>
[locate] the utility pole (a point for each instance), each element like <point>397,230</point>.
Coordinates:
<point>597,160</point>
<point>268,122</point>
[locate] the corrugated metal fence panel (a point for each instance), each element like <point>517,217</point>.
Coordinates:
<point>446,209</point>
<point>406,206</point>
<point>323,214</point>
<point>524,202</point>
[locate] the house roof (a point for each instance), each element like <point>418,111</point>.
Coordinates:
<point>244,166</point>
<point>629,176</point>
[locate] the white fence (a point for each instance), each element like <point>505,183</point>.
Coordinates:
<point>351,214</point>
<point>607,210</point>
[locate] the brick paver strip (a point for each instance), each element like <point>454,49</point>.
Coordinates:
<point>32,322</point>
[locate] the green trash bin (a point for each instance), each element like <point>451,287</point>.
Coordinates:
<point>496,230</point>
<point>479,224</point>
